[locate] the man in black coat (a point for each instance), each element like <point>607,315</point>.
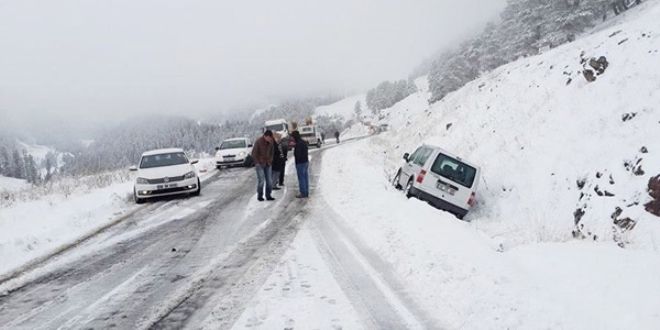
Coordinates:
<point>279,161</point>
<point>302,164</point>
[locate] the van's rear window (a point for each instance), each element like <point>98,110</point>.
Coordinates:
<point>454,170</point>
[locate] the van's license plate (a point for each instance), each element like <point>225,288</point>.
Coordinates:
<point>445,188</point>
<point>166,186</point>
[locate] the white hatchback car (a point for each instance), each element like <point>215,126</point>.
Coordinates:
<point>165,172</point>
<point>234,152</point>
<point>440,178</point>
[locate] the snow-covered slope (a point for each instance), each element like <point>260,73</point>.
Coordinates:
<point>344,108</point>
<point>540,131</point>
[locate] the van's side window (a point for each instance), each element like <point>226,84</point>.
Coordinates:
<point>423,156</point>
<point>415,154</point>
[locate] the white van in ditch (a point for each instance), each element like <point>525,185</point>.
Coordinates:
<point>440,178</point>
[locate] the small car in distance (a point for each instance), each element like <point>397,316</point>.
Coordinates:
<point>165,172</point>
<point>234,152</point>
<point>443,180</point>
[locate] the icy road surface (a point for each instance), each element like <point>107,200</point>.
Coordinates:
<point>200,262</point>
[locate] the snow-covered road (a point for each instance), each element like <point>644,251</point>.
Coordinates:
<point>200,262</point>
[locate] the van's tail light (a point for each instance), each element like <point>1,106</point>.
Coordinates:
<point>421,176</point>
<point>471,200</point>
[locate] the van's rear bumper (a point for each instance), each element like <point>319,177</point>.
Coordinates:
<point>440,203</point>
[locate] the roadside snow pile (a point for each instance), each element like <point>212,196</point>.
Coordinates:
<point>561,157</point>
<point>29,230</point>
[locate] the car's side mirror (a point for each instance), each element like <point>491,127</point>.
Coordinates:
<point>406,156</point>
<point>250,145</point>
<point>217,148</point>
<point>193,162</point>
<point>132,168</point>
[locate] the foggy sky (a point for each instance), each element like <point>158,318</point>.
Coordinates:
<point>116,58</point>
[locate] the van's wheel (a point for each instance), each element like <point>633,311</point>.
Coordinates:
<point>395,181</point>
<point>409,187</point>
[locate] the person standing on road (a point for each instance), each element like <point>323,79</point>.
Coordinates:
<point>337,136</point>
<point>302,164</point>
<point>285,151</point>
<point>278,160</point>
<point>262,154</point>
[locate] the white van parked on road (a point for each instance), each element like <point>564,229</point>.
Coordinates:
<point>440,178</point>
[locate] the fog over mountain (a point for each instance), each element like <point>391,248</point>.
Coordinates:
<point>95,61</point>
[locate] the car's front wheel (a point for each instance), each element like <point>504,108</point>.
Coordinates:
<point>409,187</point>
<point>199,188</point>
<point>395,181</point>
<point>137,199</point>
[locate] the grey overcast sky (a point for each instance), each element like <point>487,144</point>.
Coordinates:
<point>115,58</point>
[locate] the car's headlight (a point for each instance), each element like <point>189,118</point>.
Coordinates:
<point>142,181</point>
<point>242,153</point>
<point>189,175</point>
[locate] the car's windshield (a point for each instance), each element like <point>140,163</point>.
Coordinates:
<point>454,170</point>
<point>233,144</point>
<point>169,159</point>
<point>275,128</point>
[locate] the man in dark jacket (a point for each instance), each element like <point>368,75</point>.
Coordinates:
<point>262,154</point>
<point>302,164</point>
<point>337,137</point>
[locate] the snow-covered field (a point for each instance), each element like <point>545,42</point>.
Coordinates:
<point>11,184</point>
<point>32,229</point>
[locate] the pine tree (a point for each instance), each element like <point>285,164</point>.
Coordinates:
<point>358,110</point>
<point>5,162</point>
<point>18,167</point>
<point>411,88</point>
<point>31,174</point>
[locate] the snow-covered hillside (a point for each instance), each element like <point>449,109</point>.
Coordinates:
<point>552,145</point>
<point>344,108</point>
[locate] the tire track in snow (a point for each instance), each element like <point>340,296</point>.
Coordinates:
<point>368,281</point>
